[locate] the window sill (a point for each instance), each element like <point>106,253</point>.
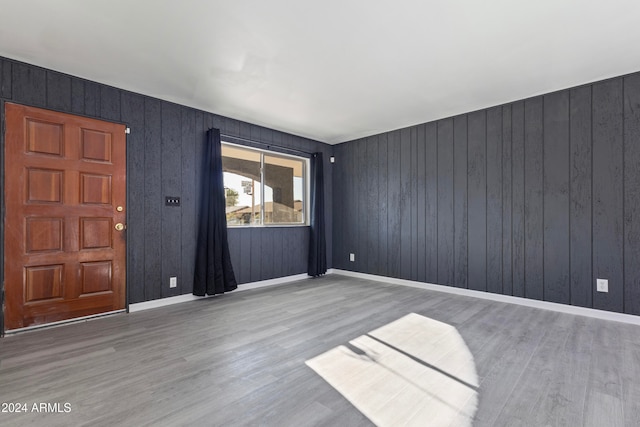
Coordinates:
<point>235,227</point>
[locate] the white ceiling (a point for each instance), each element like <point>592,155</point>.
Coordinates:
<point>331,70</point>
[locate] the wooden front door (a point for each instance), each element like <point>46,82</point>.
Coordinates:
<point>65,194</point>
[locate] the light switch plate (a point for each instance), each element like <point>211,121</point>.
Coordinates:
<point>172,201</point>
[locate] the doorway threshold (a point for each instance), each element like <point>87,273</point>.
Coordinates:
<point>61,323</point>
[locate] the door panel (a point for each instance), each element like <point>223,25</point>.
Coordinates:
<point>64,177</point>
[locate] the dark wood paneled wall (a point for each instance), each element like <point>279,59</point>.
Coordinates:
<point>536,199</point>
<point>164,158</point>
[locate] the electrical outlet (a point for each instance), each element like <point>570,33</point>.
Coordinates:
<point>602,285</point>
<point>173,282</point>
<point>352,257</point>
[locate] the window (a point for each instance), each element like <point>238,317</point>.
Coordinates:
<point>263,187</point>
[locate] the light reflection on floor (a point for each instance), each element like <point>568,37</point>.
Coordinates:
<point>414,371</point>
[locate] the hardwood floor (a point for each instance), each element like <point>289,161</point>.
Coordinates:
<point>239,359</point>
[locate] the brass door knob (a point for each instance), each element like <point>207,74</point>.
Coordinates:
<point>119,226</point>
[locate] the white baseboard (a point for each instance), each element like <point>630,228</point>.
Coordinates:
<point>272,282</point>
<point>545,305</point>
<point>146,305</point>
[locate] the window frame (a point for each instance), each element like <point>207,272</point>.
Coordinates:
<point>306,186</point>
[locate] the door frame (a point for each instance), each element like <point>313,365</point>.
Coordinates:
<point>3,130</point>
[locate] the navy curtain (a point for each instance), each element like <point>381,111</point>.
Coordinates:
<point>317,264</point>
<point>214,273</point>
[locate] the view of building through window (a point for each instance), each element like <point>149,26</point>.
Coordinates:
<point>263,187</point>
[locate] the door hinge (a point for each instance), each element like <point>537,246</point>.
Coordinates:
<point>127,130</point>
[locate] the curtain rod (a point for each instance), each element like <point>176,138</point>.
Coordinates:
<point>251,141</point>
